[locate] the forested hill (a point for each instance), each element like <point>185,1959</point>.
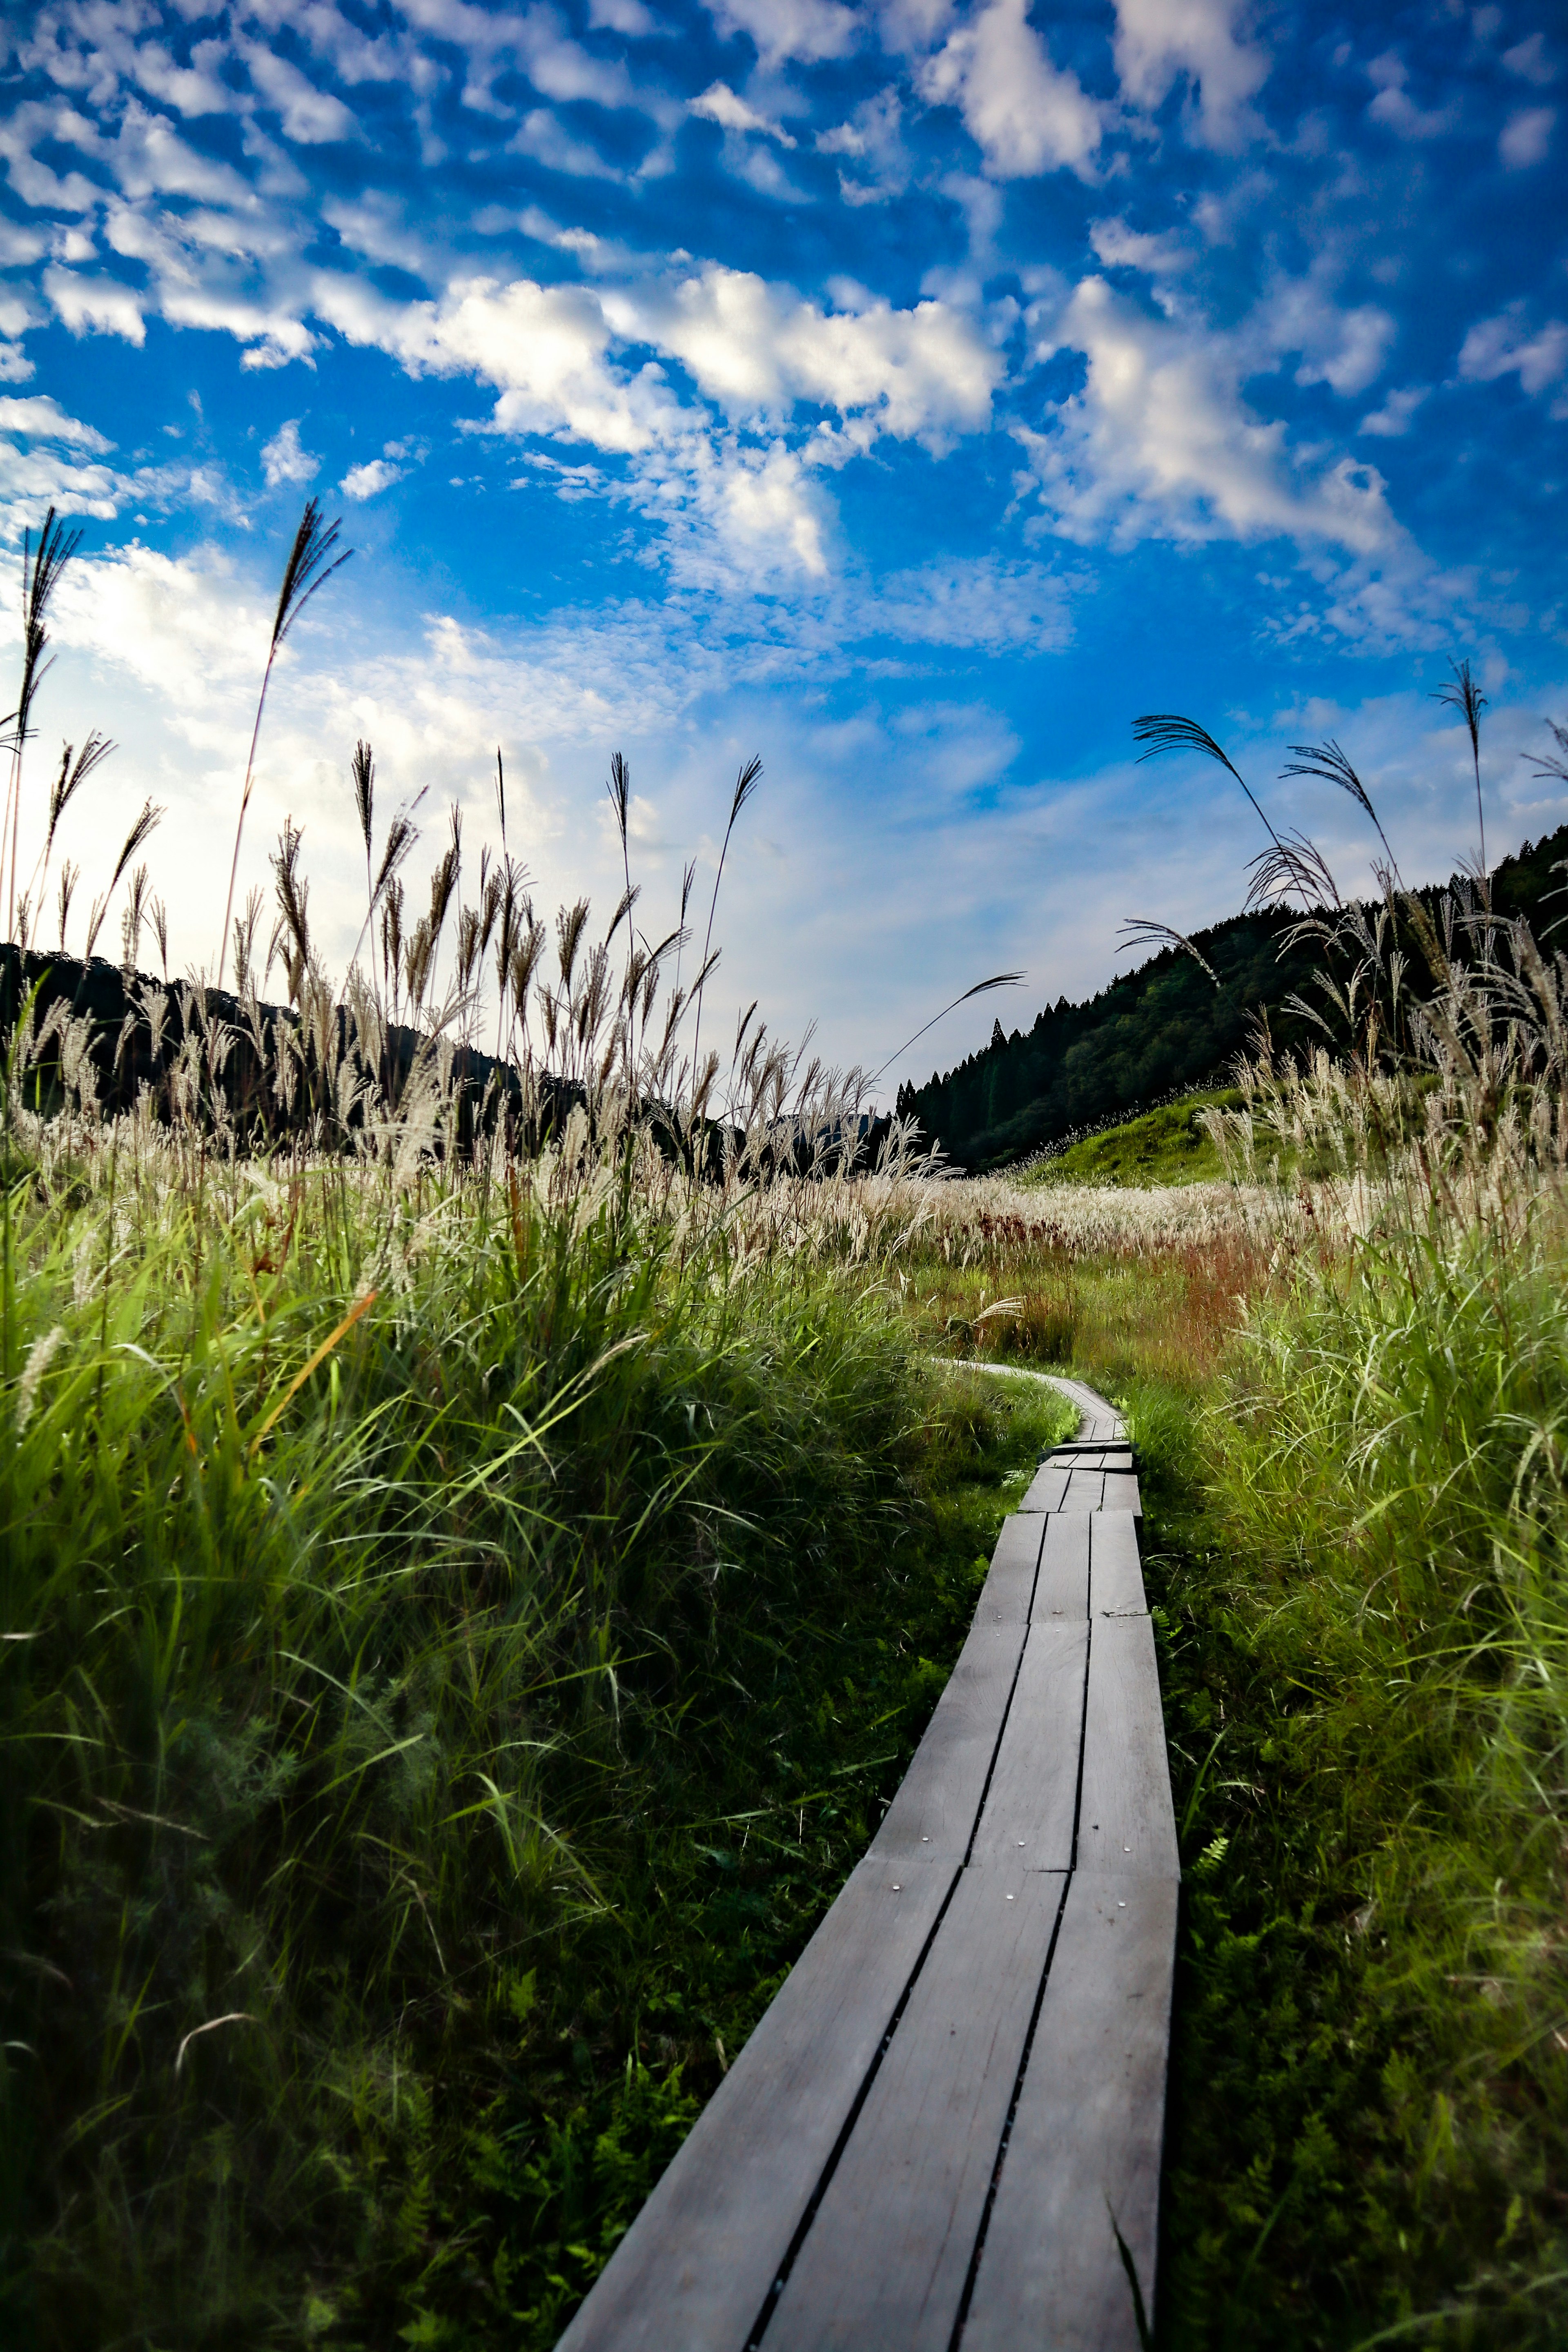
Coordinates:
<point>1162,1027</point>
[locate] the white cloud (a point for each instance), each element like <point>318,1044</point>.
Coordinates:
<point>1157,41</point>
<point>99,303</point>
<point>720,104</point>
<point>1159,444</point>
<point>1503,345</point>
<point>1395,109</point>
<point>964,601</point>
<point>283,459</point>
<point>43,419</point>
<point>1393,419</point>
<point>1343,349</point>
<point>309,116</point>
<point>872,138</point>
<point>543,348</point>
<point>1526,136</point>
<point>624,16</point>
<point>809,30</point>
<point>757,347</point>
<point>19,246</point>
<point>1120,248</point>
<point>1026,115</point>
<point>37,184</point>
<point>1528,60</point>
<point>367,481</point>
<point>542,136</point>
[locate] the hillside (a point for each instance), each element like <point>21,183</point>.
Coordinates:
<point>1160,1027</point>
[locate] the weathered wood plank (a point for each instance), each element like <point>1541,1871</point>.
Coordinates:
<point>1121,1494</point>
<point>937,1802</point>
<point>1126,1825</point>
<point>695,2266</point>
<point>1085,1491</point>
<point>1009,1586</point>
<point>883,2266</point>
<point>1061,1590</point>
<point>1028,1820</point>
<point>1085,2143</point>
<point>1116,1573</point>
<point>1047,1487</point>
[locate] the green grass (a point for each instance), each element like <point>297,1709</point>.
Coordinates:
<point>1356,1557</point>
<point>423,1767</point>
<point>1167,1145</point>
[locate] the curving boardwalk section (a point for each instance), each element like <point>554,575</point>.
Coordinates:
<point>955,2103</point>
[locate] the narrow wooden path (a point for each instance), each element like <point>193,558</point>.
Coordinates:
<point>956,2101</point>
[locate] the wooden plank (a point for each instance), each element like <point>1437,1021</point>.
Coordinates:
<point>1062,1589</point>
<point>1028,1820</point>
<point>1085,1491</point>
<point>1009,1586</point>
<point>1122,1494</point>
<point>1047,1488</point>
<point>1085,2143</point>
<point>934,1812</point>
<point>696,2264</point>
<point>883,2266</point>
<point>1126,1825</point>
<point>1116,1574</point>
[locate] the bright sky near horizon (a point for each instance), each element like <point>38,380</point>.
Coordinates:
<point>911,391</point>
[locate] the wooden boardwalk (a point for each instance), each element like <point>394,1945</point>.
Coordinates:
<point>956,2100</point>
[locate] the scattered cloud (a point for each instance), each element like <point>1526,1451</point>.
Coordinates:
<point>1392,420</point>
<point>368,481</point>
<point>95,305</point>
<point>720,104</point>
<point>807,31</point>
<point>1505,345</point>
<point>1159,42</point>
<point>1395,109</point>
<point>284,461</point>
<point>1526,137</point>
<point>1529,60</point>
<point>1025,114</point>
<point>1159,444</point>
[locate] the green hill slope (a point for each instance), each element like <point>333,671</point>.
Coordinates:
<point>1160,1028</point>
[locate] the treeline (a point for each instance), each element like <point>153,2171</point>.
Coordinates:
<point>1166,1025</point>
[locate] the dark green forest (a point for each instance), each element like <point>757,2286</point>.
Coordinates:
<point>1166,1025</point>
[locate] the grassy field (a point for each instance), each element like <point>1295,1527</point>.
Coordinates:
<point>458,1638</point>
<point>468,1584</point>
<point>1350,1426</point>
<point>1166,1146</point>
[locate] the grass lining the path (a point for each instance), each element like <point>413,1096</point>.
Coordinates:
<point>459,1640</point>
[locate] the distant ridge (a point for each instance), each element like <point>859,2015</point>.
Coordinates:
<point>1162,1027</point>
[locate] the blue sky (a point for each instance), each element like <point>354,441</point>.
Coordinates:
<point>912,392</point>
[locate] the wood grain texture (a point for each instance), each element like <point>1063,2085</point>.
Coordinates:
<point>1125,1824</point>
<point>883,2266</point>
<point>1116,1573</point>
<point>934,1812</point>
<point>695,2266</point>
<point>1086,2140</point>
<point>1061,1590</point>
<point>1028,1820</point>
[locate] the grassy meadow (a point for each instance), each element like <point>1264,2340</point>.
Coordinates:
<point>472,1572</point>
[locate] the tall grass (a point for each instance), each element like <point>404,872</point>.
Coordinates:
<point>381,1566</point>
